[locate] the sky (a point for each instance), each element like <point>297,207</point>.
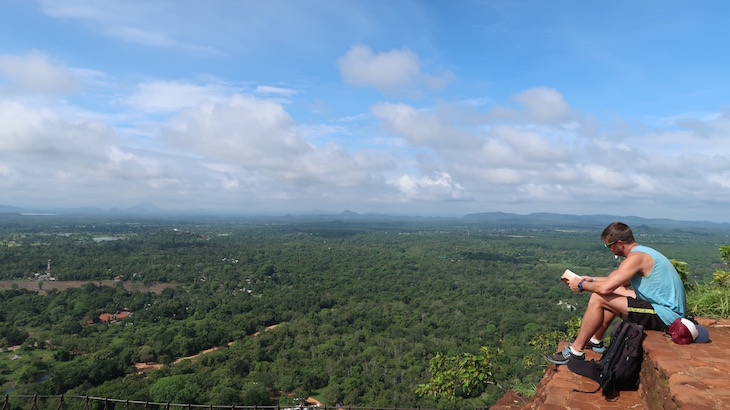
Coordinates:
<point>373,106</point>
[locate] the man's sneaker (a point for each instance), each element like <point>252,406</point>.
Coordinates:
<point>563,357</point>
<point>596,347</point>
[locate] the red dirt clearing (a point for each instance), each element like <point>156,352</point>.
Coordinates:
<point>42,286</point>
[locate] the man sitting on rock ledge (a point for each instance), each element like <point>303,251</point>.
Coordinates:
<point>656,297</point>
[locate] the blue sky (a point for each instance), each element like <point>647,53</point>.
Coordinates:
<point>414,107</point>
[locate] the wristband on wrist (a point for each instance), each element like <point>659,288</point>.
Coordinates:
<point>580,286</point>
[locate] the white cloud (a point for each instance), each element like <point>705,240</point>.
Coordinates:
<point>423,128</point>
<point>35,73</point>
<point>530,147</point>
<point>495,153</point>
<point>170,96</point>
<point>137,22</point>
<point>259,136</point>
<point>478,101</point>
<point>439,186</point>
<point>605,177</point>
<point>220,149</point>
<point>319,131</point>
<point>5,171</point>
<point>721,179</point>
<point>544,192</point>
<point>242,130</point>
<point>103,11</point>
<point>50,161</point>
<point>544,104</point>
<point>142,36</point>
<point>537,157</point>
<point>387,71</point>
<point>645,184</point>
<point>41,133</point>
<point>705,133</point>
<point>269,155</point>
<point>266,89</point>
<point>152,38</point>
<point>540,104</point>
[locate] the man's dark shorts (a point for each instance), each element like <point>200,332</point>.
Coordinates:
<point>642,312</point>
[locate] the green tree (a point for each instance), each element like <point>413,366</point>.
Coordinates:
<point>147,354</point>
<point>722,276</point>
<point>254,393</point>
<point>333,394</point>
<point>224,395</point>
<point>180,388</point>
<point>461,376</point>
<point>683,271</point>
<point>33,370</point>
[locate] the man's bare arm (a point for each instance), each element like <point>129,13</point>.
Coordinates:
<point>633,264</point>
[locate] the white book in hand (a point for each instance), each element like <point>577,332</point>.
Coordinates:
<point>568,275</point>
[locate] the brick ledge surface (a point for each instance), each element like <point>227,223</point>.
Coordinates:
<point>673,376</point>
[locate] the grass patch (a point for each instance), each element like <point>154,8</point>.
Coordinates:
<point>525,389</point>
<point>709,301</point>
<point>24,364</point>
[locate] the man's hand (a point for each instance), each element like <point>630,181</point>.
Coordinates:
<point>574,283</point>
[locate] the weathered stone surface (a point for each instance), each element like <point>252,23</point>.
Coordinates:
<point>673,376</point>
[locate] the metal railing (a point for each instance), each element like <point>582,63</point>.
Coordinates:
<point>70,402</point>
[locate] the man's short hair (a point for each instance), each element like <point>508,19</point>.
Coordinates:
<point>618,231</point>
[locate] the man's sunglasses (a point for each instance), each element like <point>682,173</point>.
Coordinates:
<point>608,245</point>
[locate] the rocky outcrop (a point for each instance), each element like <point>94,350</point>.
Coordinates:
<point>695,376</point>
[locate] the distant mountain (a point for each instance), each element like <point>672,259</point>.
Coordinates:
<point>5,209</point>
<point>144,208</point>
<point>540,218</point>
<point>139,209</point>
<point>491,218</point>
<point>83,210</point>
<point>579,220</point>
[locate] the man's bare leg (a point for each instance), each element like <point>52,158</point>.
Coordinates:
<point>594,317</point>
<point>608,317</point>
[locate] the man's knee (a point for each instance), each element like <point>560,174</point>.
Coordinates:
<point>597,299</point>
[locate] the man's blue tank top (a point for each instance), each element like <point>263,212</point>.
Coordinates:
<point>663,287</point>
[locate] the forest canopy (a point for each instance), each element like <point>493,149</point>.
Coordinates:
<point>349,311</point>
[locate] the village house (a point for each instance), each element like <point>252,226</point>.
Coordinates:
<point>108,317</point>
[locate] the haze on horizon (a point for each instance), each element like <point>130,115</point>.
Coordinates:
<point>410,107</point>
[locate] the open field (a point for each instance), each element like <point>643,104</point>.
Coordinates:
<point>61,285</point>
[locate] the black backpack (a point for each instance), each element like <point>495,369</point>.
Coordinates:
<point>619,366</point>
